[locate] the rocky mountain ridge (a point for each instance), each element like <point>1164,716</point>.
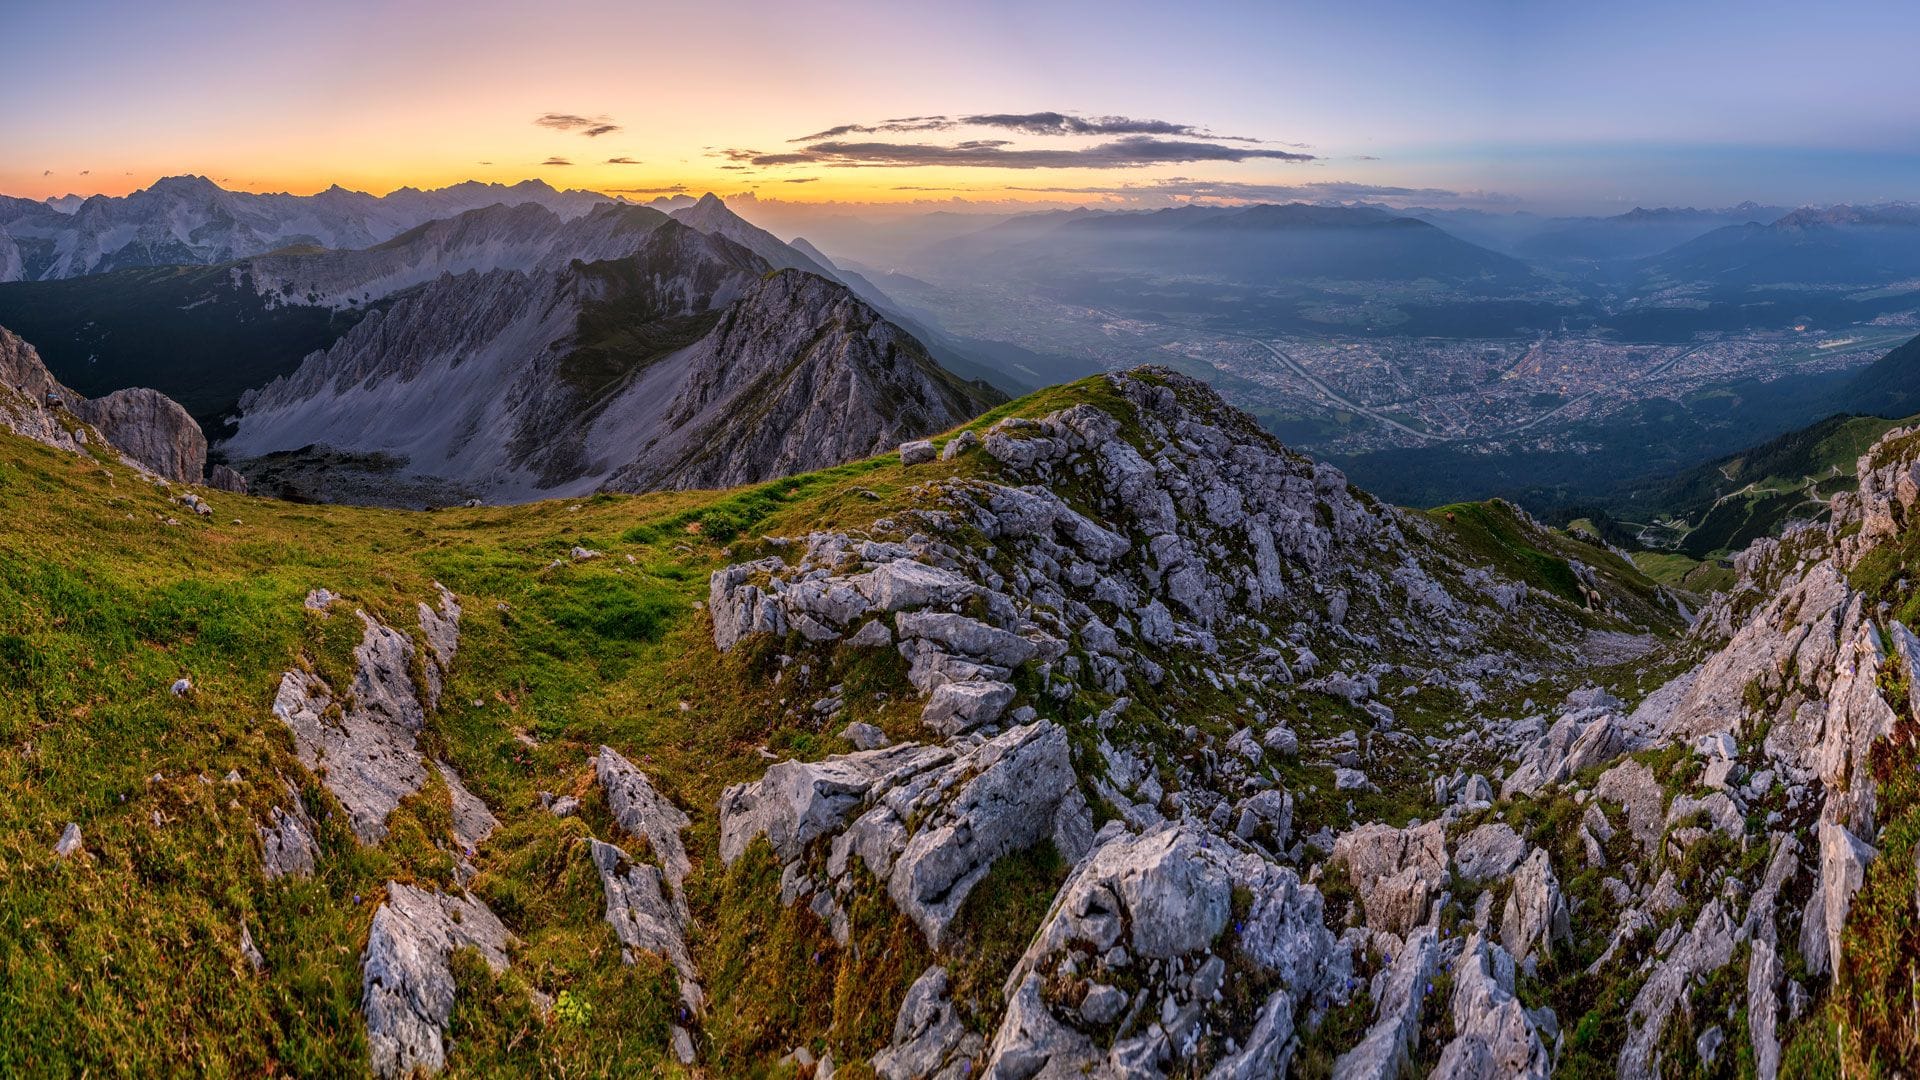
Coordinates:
<point>190,220</point>
<point>646,370</point>
<point>524,236</point>
<point>145,427</point>
<point>1693,822</point>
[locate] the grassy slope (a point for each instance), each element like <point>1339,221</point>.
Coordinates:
<point>127,959</point>
<point>1737,499</point>
<point>130,957</point>
<point>1680,572</point>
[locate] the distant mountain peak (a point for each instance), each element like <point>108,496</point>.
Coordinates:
<point>805,247</point>
<point>184,184</point>
<point>191,220</point>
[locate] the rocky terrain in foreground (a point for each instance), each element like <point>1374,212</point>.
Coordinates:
<point>1102,736</point>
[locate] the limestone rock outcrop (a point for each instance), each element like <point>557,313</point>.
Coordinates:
<point>407,985</point>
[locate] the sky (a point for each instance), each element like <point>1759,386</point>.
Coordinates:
<point>1546,106</point>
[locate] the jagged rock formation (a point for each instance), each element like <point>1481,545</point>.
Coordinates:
<point>364,741</point>
<point>152,429</point>
<point>709,215</point>
<point>1189,539</point>
<point>1373,795</point>
<point>1494,1037</point>
<point>1386,1051</point>
<point>370,756</point>
<point>644,914</point>
<point>929,821</point>
<point>651,369</point>
<point>441,626</point>
<point>1162,901</point>
<point>28,396</point>
<point>407,984</point>
<point>523,236</point>
<point>287,846</point>
<point>929,1040</point>
<point>844,382</point>
<point>1397,872</point>
<point>145,426</point>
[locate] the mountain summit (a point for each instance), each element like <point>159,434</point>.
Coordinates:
<point>190,220</point>
<point>653,365</point>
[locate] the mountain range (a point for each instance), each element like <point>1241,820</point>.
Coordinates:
<point>190,220</point>
<point>1838,245</point>
<point>554,344</point>
<point>653,369</point>
<point>697,676</point>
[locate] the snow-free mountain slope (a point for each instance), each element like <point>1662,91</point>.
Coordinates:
<point>1837,245</point>
<point>711,215</point>
<point>655,369</point>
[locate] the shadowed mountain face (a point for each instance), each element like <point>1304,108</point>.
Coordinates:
<point>680,364</point>
<point>1842,245</point>
<point>204,335</point>
<point>143,425</point>
<point>1636,234</point>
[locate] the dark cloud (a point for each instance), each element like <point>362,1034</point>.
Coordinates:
<point>1053,123</point>
<point>1127,152</point>
<point>590,126</point>
<point>780,159</point>
<point>803,180</point>
<point>665,189</point>
<point>49,172</point>
<point>734,168</point>
<point>556,161</point>
<point>1033,123</point>
<point>86,172</point>
<point>1227,189</point>
<point>622,161</point>
<point>486,163</point>
<point>1181,187</point>
<point>885,127</point>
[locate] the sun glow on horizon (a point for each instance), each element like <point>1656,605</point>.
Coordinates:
<point>995,103</point>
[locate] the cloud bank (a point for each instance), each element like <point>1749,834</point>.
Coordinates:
<point>1128,143</point>
<point>1033,123</point>
<point>1129,152</point>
